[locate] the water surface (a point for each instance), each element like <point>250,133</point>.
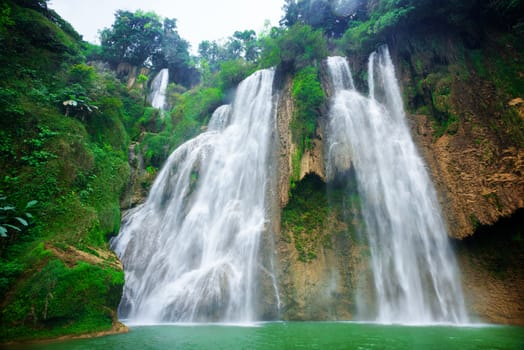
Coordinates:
<point>302,335</point>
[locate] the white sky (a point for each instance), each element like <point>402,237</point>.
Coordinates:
<point>197,20</point>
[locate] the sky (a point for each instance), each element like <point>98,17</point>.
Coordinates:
<point>197,20</point>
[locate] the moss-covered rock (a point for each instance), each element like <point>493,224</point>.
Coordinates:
<point>70,158</point>
<point>71,297</point>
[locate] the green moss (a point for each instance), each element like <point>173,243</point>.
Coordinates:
<point>475,222</point>
<point>74,164</point>
<point>60,300</point>
<point>308,97</point>
<point>304,217</point>
<point>197,104</point>
<point>494,199</point>
<point>367,34</point>
<point>476,57</point>
<point>296,159</point>
<point>317,215</point>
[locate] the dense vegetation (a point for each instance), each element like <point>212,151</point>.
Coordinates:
<point>64,165</point>
<point>69,111</point>
<point>143,39</point>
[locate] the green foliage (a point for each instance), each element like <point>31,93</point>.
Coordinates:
<point>366,35</point>
<point>36,154</point>
<point>475,222</point>
<point>241,46</point>
<point>13,220</point>
<point>110,175</point>
<point>155,148</point>
<point>446,119</point>
<point>5,19</point>
<point>144,39</point>
<point>106,125</point>
<point>386,18</point>
<point>304,217</point>
<point>41,32</point>
<point>174,55</point>
<point>295,48</point>
<point>60,300</point>
<point>161,135</point>
<point>74,165</point>
<point>82,74</point>
<point>477,62</point>
<point>197,104</point>
<point>133,37</point>
<point>11,269</point>
<point>270,51</point>
<point>318,214</point>
<point>330,16</point>
<point>231,73</point>
<point>308,97</point>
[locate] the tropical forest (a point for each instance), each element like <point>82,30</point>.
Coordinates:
<point>351,177</point>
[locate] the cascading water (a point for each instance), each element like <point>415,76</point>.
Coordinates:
<point>157,97</point>
<point>414,270</point>
<point>190,253</point>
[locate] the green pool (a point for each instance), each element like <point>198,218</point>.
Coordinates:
<point>302,335</point>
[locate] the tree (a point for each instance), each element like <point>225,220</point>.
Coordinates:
<point>144,39</point>
<point>332,16</point>
<point>5,19</point>
<point>174,55</point>
<point>291,13</point>
<point>300,46</point>
<point>38,5</point>
<point>134,38</point>
<point>248,43</point>
<point>242,45</point>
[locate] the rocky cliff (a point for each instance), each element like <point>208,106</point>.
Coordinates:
<point>304,285</point>
<point>319,263</point>
<point>464,104</point>
<point>466,111</point>
<point>464,101</point>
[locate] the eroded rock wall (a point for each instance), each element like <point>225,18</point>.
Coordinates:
<point>468,123</point>
<point>464,106</point>
<point>467,120</point>
<point>313,270</point>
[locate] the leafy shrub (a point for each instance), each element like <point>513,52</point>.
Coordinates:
<point>233,72</point>
<point>198,104</point>
<point>308,96</point>
<point>63,300</point>
<point>12,219</point>
<point>82,74</point>
<point>303,46</point>
<point>304,217</point>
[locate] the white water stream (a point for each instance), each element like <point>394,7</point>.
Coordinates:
<point>190,253</point>
<point>415,274</point>
<point>157,97</point>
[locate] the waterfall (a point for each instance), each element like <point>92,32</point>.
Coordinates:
<point>157,97</point>
<point>190,253</point>
<point>415,274</point>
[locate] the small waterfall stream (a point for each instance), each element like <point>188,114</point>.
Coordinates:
<point>415,274</point>
<point>191,251</point>
<point>157,97</point>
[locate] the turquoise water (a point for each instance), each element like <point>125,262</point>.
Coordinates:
<point>301,335</point>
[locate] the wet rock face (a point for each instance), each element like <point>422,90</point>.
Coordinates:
<point>312,269</point>
<point>468,126</point>
<point>479,176</point>
<point>475,155</point>
<point>492,264</point>
<point>479,180</point>
<point>285,144</point>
